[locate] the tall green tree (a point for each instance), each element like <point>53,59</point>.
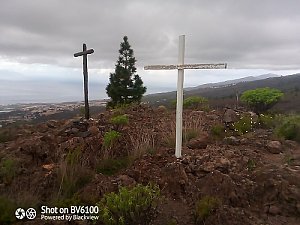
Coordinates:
<point>125,85</point>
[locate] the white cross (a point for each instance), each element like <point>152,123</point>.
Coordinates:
<point>180,67</point>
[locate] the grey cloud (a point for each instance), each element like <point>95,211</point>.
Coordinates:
<point>246,34</point>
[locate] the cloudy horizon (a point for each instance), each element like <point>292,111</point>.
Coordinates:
<point>39,39</point>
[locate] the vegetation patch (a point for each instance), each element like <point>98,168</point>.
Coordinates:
<point>204,208</point>
<point>261,99</point>
<point>110,138</point>
<point>120,120</point>
<point>289,128</point>
<point>7,209</point>
<point>218,131</point>
<point>112,166</point>
<point>129,206</point>
<point>189,134</point>
<point>8,170</point>
<point>244,125</point>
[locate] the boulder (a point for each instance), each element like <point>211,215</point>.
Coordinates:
<point>93,130</point>
<point>274,147</point>
<point>200,142</point>
<point>231,140</point>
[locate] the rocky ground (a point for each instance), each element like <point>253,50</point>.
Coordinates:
<point>255,177</point>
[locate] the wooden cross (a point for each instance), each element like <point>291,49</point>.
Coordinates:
<point>84,53</point>
<point>181,67</point>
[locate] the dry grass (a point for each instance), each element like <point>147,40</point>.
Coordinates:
<point>142,142</point>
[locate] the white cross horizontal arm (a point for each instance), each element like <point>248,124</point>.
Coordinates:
<point>187,66</point>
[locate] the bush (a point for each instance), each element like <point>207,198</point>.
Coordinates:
<point>205,206</point>
<point>268,120</point>
<point>7,209</point>
<point>72,175</point>
<point>189,134</point>
<point>112,166</point>
<point>289,128</point>
<point>244,125</point>
<point>8,170</point>
<point>129,206</point>
<point>193,102</point>
<point>120,120</point>
<point>217,131</point>
<point>261,99</point>
<point>110,138</point>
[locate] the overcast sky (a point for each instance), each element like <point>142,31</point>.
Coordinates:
<point>38,40</point>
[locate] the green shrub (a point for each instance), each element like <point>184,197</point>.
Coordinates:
<point>189,134</point>
<point>261,99</point>
<point>251,165</point>
<point>268,120</point>
<point>72,174</point>
<point>217,131</point>
<point>7,209</point>
<point>289,128</point>
<point>129,206</point>
<point>110,138</point>
<point>6,135</point>
<point>112,166</point>
<point>205,206</point>
<point>244,125</point>
<point>8,170</point>
<point>193,102</point>
<point>120,120</point>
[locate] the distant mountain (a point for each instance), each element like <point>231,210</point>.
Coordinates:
<point>231,82</point>
<point>225,94</point>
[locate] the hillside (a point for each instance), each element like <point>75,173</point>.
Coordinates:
<point>237,179</point>
<point>220,96</point>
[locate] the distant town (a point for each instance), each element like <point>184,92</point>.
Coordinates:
<point>10,114</point>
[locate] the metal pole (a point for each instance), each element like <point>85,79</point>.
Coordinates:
<point>179,97</point>
<point>85,83</point>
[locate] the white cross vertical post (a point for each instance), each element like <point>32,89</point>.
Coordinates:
<point>180,67</point>
<point>179,106</point>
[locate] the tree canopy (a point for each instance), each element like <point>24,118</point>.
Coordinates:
<point>261,99</point>
<point>125,85</point>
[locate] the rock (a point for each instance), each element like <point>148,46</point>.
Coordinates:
<point>125,180</point>
<point>230,116</point>
<point>274,210</point>
<point>223,165</point>
<point>274,147</point>
<point>231,140</point>
<point>74,130</point>
<point>200,142</point>
<point>162,109</point>
<point>93,130</point>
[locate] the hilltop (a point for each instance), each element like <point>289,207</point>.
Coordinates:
<point>224,93</point>
<point>254,177</point>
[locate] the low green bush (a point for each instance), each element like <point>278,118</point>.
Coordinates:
<point>129,206</point>
<point>8,170</point>
<point>189,134</point>
<point>110,138</point>
<point>204,207</point>
<point>217,131</point>
<point>289,128</point>
<point>193,102</point>
<point>7,209</point>
<point>112,166</point>
<point>243,125</point>
<point>120,120</point>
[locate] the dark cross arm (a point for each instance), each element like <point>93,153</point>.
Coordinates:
<point>90,51</point>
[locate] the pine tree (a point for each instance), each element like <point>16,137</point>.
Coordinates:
<point>125,85</point>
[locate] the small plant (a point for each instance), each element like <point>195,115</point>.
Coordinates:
<point>129,206</point>
<point>267,120</point>
<point>244,125</point>
<point>110,138</point>
<point>7,209</point>
<point>6,135</point>
<point>217,131</point>
<point>72,175</point>
<point>251,165</point>
<point>8,170</point>
<point>189,134</point>
<point>289,128</point>
<point>142,142</point>
<point>288,159</point>
<point>120,120</point>
<point>112,166</point>
<point>193,102</point>
<point>205,206</point>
